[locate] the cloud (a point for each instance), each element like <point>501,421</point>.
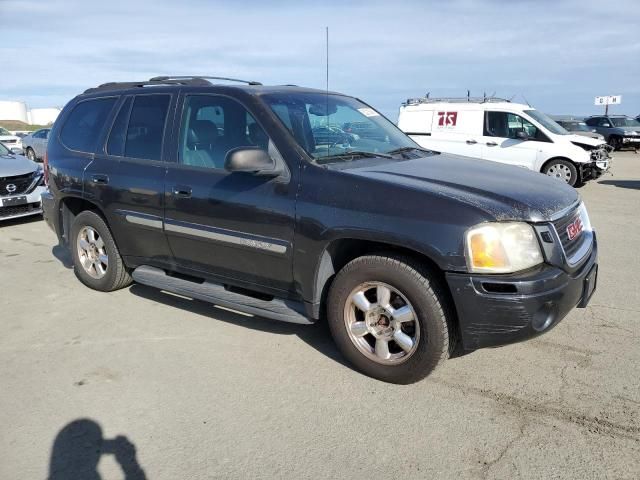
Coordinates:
<point>559,54</point>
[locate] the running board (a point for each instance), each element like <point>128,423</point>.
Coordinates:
<point>276,309</point>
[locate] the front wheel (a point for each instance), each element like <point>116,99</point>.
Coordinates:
<point>389,318</point>
<point>562,170</point>
<point>614,142</point>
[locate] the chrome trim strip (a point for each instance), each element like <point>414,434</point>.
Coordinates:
<point>225,236</point>
<point>565,211</point>
<point>147,222</point>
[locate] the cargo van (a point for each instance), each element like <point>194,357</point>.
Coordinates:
<point>501,131</point>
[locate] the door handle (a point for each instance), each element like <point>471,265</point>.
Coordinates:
<point>491,144</point>
<point>181,191</point>
<point>100,179</point>
<point>471,142</point>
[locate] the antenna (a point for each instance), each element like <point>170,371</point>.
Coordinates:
<point>327,79</point>
<point>525,99</point>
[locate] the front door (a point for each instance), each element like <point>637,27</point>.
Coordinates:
<point>501,141</point>
<point>229,225</point>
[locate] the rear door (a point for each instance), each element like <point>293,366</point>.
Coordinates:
<point>126,178</point>
<point>230,225</point>
<point>500,141</point>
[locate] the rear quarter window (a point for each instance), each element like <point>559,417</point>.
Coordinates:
<point>82,127</point>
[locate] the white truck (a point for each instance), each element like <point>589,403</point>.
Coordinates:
<point>501,131</point>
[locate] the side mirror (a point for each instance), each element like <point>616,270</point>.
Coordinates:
<point>252,160</point>
<point>606,125</point>
<point>522,135</point>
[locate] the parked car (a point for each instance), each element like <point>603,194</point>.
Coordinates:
<point>35,144</point>
<point>618,130</point>
<point>578,127</point>
<point>505,132</point>
<point>406,252</point>
<point>12,142</point>
<point>332,135</point>
<point>21,184</point>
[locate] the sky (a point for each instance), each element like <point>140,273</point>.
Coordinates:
<point>557,55</point>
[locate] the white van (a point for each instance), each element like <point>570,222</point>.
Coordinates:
<point>501,131</point>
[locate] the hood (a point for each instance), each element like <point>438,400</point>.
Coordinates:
<point>503,192</point>
<point>13,165</point>
<point>593,142</point>
<point>589,135</point>
<point>628,129</point>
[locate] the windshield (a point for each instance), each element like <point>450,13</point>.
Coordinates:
<point>4,131</point>
<point>624,122</point>
<point>334,128</point>
<point>4,150</point>
<point>547,122</point>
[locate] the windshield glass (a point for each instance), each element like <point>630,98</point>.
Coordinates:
<point>334,128</point>
<point>547,122</point>
<point>625,122</point>
<point>4,131</point>
<point>4,150</point>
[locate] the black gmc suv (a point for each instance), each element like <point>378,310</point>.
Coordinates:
<point>220,192</point>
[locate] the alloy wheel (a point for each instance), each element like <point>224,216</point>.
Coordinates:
<point>92,253</point>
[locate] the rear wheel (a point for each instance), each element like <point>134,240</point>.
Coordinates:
<point>562,170</point>
<point>31,154</point>
<point>388,318</point>
<point>96,259</point>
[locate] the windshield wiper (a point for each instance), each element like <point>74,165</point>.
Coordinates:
<point>355,154</point>
<point>408,149</point>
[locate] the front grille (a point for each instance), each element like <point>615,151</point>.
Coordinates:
<point>572,246</point>
<point>19,210</point>
<point>20,182</point>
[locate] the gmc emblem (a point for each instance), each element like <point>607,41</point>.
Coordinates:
<point>574,228</point>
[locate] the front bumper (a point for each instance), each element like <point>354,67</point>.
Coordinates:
<point>497,310</point>
<point>11,208</point>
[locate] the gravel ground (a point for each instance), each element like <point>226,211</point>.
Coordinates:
<point>182,389</point>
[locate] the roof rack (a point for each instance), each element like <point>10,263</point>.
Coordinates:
<point>203,77</point>
<point>165,80</point>
<point>467,99</point>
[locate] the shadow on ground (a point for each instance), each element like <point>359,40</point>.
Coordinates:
<point>631,184</point>
<point>78,447</point>
<point>63,254</point>
<point>316,335</point>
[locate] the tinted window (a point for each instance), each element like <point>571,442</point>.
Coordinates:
<point>115,145</point>
<point>211,126</point>
<point>82,128</point>
<point>39,134</point>
<point>592,122</point>
<point>146,127</point>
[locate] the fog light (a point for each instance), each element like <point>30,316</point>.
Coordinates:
<point>544,317</point>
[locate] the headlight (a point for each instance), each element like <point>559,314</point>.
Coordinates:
<point>502,248</point>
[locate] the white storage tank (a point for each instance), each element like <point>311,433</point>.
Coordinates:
<point>11,110</point>
<point>43,116</point>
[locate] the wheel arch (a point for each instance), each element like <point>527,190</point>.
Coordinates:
<point>70,207</point>
<point>338,252</point>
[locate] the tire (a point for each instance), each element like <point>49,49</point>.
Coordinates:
<point>614,142</point>
<point>108,272</point>
<point>562,170</point>
<point>410,285</point>
<point>31,154</point>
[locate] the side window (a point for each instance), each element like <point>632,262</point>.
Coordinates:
<point>592,122</point>
<point>604,122</point>
<point>146,126</point>
<point>507,125</point>
<point>83,125</point>
<point>211,126</point>
<point>45,134</point>
<point>117,137</point>
<point>39,134</point>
